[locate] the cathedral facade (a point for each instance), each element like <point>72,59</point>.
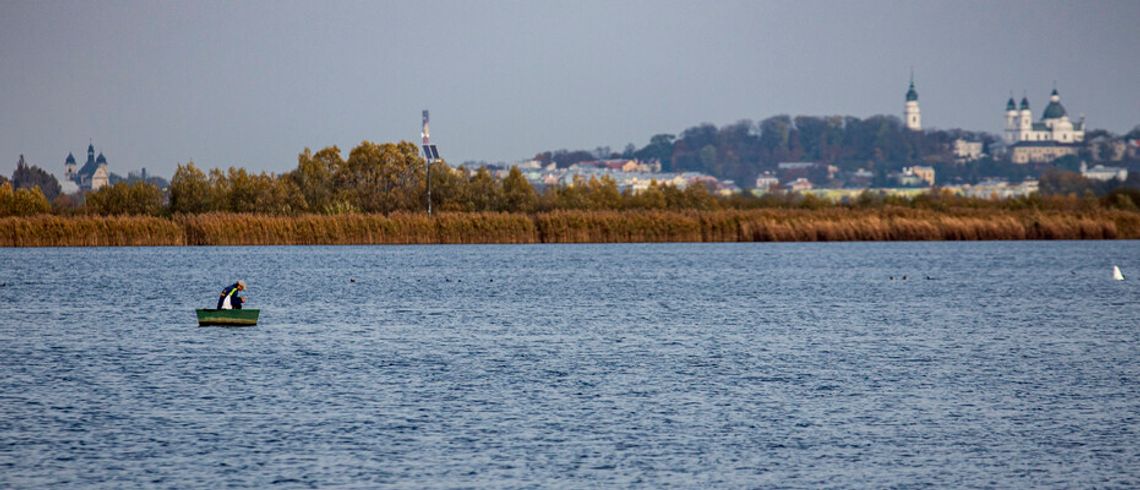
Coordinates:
<point>93,175</point>
<point>1054,136</point>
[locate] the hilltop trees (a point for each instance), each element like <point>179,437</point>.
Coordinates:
<point>27,177</point>
<point>660,148</point>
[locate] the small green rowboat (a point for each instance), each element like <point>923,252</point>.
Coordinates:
<point>227,318</point>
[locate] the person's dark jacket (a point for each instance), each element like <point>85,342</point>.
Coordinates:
<point>232,292</point>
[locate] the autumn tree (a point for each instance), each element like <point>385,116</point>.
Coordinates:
<point>449,190</point>
<point>385,177</point>
<point>22,202</point>
<point>603,193</point>
<point>138,198</point>
<point>650,198</point>
<point>483,192</point>
<point>518,195</point>
<point>189,190</point>
<point>315,178</point>
<point>241,191</point>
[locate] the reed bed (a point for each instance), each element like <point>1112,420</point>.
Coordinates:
<point>345,229</point>
<point>764,225</point>
<point>618,227</point>
<point>485,228</point>
<point>89,231</point>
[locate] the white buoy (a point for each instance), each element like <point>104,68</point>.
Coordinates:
<point>1116,275</point>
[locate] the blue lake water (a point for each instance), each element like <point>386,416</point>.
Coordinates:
<point>997,364</point>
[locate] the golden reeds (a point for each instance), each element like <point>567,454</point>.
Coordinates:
<point>761,225</point>
<point>617,226</point>
<point>89,231</point>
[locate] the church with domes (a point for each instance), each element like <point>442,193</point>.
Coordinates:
<point>93,175</point>
<point>1054,136</point>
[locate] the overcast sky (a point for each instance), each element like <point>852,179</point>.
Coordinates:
<point>253,83</point>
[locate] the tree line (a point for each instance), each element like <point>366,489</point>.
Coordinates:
<point>385,178</point>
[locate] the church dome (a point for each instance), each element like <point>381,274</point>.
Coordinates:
<point>70,159</point>
<point>1025,103</point>
<point>1011,105</point>
<point>911,95</point>
<point>101,159</point>
<point>1054,110</point>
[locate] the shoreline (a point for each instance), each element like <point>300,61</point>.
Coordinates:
<point>761,225</point>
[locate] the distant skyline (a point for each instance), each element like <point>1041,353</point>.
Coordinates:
<point>253,83</point>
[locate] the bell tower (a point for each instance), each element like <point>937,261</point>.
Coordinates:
<point>911,114</point>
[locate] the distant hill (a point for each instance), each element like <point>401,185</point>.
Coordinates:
<point>743,149</point>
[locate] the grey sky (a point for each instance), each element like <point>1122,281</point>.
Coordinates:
<point>252,83</point>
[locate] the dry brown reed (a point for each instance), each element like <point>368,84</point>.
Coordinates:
<point>88,231</point>
<point>617,227</point>
<point>763,225</point>
<point>485,228</point>
<point>344,229</point>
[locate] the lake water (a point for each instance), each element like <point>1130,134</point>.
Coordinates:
<point>1000,364</point>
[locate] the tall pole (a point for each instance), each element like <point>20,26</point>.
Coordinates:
<point>427,159</point>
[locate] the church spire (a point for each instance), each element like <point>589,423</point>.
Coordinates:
<point>911,94</point>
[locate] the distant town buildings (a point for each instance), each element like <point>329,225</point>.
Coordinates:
<point>629,174</point>
<point>861,177</point>
<point>995,189</point>
<point>967,151</point>
<point>799,185</point>
<point>767,181</point>
<point>924,173</point>
<point>93,175</point>
<point>1053,137</point>
<point>916,176</point>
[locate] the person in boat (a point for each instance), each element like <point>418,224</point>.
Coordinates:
<point>229,299</point>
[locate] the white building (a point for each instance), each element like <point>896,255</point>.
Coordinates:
<point>1102,173</point>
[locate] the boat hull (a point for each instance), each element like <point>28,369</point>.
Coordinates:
<point>227,318</point>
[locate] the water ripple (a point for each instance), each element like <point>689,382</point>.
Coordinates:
<point>647,366</point>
